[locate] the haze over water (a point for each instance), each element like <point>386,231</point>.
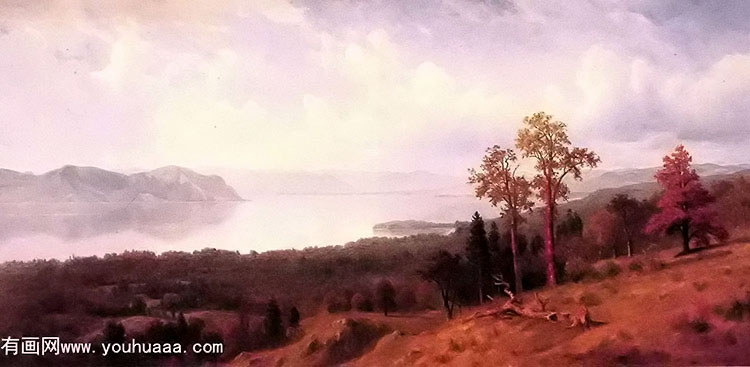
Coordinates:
<point>270,222</point>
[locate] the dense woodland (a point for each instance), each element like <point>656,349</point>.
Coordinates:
<point>272,291</point>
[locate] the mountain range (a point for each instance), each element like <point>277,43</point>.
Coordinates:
<point>91,184</point>
<point>262,182</point>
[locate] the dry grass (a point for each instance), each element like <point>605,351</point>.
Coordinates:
<point>638,309</point>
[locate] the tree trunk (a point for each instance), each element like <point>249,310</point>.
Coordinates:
<point>514,249</point>
<point>685,237</point>
<point>447,304</point>
<point>481,285</point>
<point>630,247</point>
<point>549,237</point>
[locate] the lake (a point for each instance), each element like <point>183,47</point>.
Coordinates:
<point>60,230</point>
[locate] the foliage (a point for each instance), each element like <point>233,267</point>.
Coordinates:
<point>685,205</point>
<point>447,272</point>
<point>601,229</point>
<point>386,296</point>
<point>497,180</point>
<point>628,211</point>
<point>478,254</point>
<point>571,225</point>
<point>546,141</point>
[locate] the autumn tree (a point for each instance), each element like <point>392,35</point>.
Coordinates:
<point>601,228</point>
<point>546,141</point>
<point>498,181</point>
<point>626,209</point>
<point>478,254</point>
<point>684,206</point>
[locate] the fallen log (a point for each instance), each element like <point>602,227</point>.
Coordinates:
<point>515,307</point>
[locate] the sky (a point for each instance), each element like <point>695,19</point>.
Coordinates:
<point>366,85</point>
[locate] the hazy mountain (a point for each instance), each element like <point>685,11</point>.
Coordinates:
<point>256,182</point>
<point>602,179</point>
<point>91,184</point>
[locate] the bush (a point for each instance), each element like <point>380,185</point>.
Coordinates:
<point>362,303</point>
<point>699,325</point>
<point>610,269</point>
<point>577,270</point>
<point>635,266</point>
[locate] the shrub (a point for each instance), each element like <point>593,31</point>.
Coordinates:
<point>635,266</point>
<point>699,325</point>
<point>362,303</point>
<point>735,312</point>
<point>577,270</point>
<point>610,269</point>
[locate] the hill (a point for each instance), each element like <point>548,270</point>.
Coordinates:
<point>604,179</point>
<point>654,310</point>
<point>91,184</point>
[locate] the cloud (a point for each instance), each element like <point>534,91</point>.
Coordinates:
<point>383,85</point>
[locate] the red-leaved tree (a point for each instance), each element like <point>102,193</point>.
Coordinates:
<point>684,206</point>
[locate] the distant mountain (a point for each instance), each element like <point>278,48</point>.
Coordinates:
<point>255,182</point>
<point>91,184</point>
<point>601,179</point>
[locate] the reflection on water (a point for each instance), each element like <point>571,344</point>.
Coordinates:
<point>60,230</point>
<point>75,221</point>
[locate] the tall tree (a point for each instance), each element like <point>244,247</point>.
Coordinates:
<point>626,208</point>
<point>386,296</point>
<point>685,206</point>
<point>478,254</point>
<point>497,181</point>
<point>546,141</point>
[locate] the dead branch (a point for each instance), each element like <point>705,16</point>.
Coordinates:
<point>515,307</point>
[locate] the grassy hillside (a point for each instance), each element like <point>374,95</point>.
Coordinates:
<point>658,310</point>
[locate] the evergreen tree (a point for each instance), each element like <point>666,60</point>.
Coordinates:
<point>493,241</point>
<point>478,253</point>
<point>294,317</point>
<point>272,324</point>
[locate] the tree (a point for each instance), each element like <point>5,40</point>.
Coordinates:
<point>497,180</point>
<point>571,225</point>
<point>601,230</point>
<point>386,296</point>
<point>626,209</point>
<point>684,206</point>
<point>493,239</point>
<point>547,142</point>
<point>445,271</point>
<point>478,254</point>
<point>272,324</point>
<point>294,317</point>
